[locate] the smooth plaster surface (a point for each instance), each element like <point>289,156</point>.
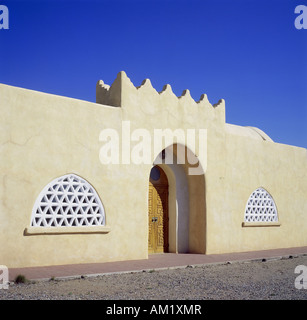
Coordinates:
<point>44,136</point>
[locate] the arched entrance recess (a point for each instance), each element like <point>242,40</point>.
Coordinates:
<point>185,205</point>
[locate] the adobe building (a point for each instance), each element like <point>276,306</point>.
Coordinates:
<point>140,172</point>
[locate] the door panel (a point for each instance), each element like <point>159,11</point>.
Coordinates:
<point>158,214</point>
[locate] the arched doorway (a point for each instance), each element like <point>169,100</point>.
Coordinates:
<point>158,211</point>
<point>186,200</point>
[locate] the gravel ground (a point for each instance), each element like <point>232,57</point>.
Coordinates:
<point>257,280</point>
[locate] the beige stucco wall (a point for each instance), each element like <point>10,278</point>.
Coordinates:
<point>248,165</point>
<point>44,136</point>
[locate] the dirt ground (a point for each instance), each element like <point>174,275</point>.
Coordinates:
<point>257,280</point>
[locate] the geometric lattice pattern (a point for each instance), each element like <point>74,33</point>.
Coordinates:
<point>260,207</point>
<point>68,201</point>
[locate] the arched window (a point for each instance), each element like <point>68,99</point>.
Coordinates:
<point>260,207</point>
<point>68,201</point>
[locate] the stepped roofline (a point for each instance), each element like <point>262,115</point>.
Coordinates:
<point>106,94</point>
<point>144,98</point>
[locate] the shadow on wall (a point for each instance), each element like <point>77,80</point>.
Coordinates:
<point>187,202</point>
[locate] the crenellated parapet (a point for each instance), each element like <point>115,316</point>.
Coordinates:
<point>122,93</point>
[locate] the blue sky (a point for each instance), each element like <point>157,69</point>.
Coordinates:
<point>247,52</point>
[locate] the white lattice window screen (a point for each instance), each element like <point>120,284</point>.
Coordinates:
<point>260,207</point>
<point>68,201</point>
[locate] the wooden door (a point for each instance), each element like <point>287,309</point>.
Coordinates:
<point>158,211</point>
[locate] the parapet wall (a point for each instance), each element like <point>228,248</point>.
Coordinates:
<point>122,93</point>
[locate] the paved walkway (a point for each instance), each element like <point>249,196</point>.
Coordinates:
<point>154,262</point>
